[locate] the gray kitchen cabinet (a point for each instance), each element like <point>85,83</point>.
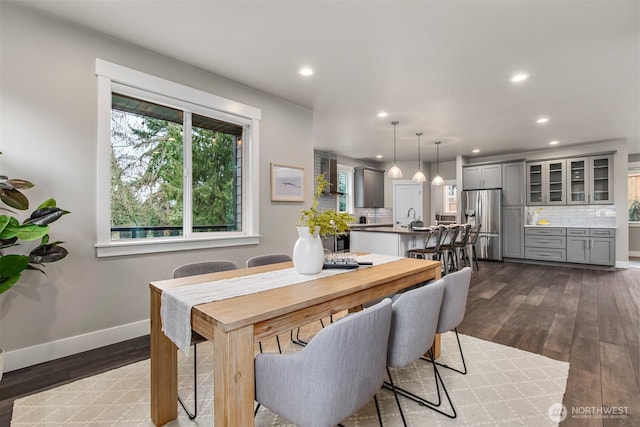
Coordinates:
<point>513,231</point>
<point>513,184</point>
<point>591,246</point>
<point>590,180</point>
<point>369,187</point>
<point>545,243</point>
<point>546,182</point>
<point>481,177</point>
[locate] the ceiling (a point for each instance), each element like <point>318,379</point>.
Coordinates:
<point>438,67</point>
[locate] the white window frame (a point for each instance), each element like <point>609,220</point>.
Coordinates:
<point>131,82</point>
<point>632,166</point>
<point>349,171</point>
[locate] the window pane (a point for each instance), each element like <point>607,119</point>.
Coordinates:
<point>342,188</point>
<point>216,156</point>
<point>146,169</point>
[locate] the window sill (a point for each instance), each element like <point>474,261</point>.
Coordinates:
<point>634,224</point>
<point>171,245</point>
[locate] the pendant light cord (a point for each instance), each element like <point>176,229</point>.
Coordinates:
<point>394,123</point>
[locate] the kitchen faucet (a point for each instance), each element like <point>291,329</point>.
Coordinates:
<point>414,213</point>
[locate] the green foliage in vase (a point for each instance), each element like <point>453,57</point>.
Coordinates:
<point>33,228</point>
<point>330,221</point>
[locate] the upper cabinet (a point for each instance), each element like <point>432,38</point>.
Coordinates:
<point>481,177</point>
<point>513,179</point>
<point>546,182</point>
<point>590,180</point>
<point>369,187</point>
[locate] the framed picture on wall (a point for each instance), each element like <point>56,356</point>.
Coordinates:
<point>287,183</point>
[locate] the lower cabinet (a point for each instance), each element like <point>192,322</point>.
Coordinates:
<point>591,246</point>
<point>545,243</point>
<point>513,231</point>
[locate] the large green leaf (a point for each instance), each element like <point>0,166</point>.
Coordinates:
<point>47,253</point>
<point>32,232</point>
<point>20,184</point>
<point>7,282</point>
<point>8,243</point>
<point>14,198</point>
<point>44,216</point>
<point>11,265</point>
<point>9,227</point>
<point>49,203</point>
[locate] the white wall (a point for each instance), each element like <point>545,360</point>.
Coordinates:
<point>48,136</point>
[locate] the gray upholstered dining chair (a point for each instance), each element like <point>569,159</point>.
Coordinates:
<point>454,304</point>
<point>267,259</point>
<point>194,269</point>
<point>413,329</point>
<point>334,376</point>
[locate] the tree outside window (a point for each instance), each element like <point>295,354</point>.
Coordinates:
<point>148,188</point>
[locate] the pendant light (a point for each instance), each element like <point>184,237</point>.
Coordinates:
<point>394,172</point>
<point>419,176</point>
<point>437,180</point>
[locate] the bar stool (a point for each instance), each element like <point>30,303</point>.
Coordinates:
<point>460,244</point>
<point>446,246</point>
<point>469,251</point>
<point>426,235</point>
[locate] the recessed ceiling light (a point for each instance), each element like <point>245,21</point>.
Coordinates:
<point>382,114</point>
<point>306,71</point>
<point>379,156</point>
<point>554,143</point>
<point>519,77</point>
<point>476,151</point>
<point>542,120</point>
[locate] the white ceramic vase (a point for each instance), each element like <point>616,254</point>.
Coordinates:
<point>308,252</point>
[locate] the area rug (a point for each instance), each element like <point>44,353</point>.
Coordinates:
<point>504,387</point>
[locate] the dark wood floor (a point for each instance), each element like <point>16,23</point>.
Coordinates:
<point>590,318</point>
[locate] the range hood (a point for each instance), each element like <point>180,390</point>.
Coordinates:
<point>329,167</point>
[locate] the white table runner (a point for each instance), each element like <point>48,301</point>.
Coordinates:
<point>176,304</point>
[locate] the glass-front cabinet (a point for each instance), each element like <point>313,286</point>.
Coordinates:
<point>546,183</point>
<point>590,180</point>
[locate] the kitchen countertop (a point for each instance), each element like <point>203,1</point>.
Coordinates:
<point>567,226</point>
<point>358,225</point>
<point>388,229</point>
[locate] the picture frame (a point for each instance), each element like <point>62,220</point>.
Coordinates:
<point>287,183</point>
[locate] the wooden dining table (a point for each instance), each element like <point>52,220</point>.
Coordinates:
<point>235,324</point>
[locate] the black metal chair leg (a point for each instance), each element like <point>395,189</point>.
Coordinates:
<point>395,394</point>
<point>375,400</point>
<point>194,414</point>
<point>421,401</point>
<point>464,365</point>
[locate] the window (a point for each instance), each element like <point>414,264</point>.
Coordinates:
<point>171,166</point>
<point>450,198</point>
<point>634,192</point>
<point>345,187</point>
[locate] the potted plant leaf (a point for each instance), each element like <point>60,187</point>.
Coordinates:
<point>13,234</point>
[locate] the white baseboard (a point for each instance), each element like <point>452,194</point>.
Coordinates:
<point>40,353</point>
<point>634,253</point>
<point>622,264</point>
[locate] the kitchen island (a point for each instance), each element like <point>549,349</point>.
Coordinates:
<point>386,240</point>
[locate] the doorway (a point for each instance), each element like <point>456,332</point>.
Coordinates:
<point>407,202</point>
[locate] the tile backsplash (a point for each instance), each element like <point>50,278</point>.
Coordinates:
<point>577,215</point>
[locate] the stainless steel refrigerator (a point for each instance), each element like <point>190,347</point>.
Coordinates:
<point>484,207</point>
